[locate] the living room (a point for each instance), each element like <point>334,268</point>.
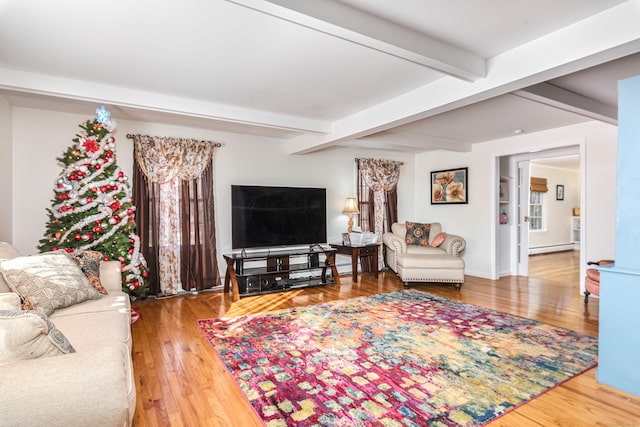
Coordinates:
<point>269,164</point>
<point>311,140</point>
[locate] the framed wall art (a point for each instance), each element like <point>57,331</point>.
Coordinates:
<point>449,186</point>
<point>559,192</point>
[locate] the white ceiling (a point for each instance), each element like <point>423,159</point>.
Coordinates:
<point>407,75</point>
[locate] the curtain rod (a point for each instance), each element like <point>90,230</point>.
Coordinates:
<point>215,144</point>
<point>401,163</point>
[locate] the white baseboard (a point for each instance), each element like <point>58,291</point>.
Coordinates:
<point>551,248</point>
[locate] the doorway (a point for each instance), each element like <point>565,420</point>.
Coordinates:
<point>555,227</point>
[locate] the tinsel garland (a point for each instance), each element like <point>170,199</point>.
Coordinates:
<point>77,193</point>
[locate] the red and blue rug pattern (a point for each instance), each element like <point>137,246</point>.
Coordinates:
<point>403,358</point>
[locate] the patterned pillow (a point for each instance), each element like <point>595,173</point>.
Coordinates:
<point>29,335</point>
<point>48,281</point>
<point>89,262</point>
<point>417,233</point>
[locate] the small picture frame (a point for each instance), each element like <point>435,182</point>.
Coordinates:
<point>559,192</point>
<point>345,239</point>
<point>504,191</point>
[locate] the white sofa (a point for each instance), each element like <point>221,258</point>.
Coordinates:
<point>424,262</point>
<point>93,386</point>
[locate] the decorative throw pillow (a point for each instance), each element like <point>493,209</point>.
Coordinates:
<point>417,233</point>
<point>437,241</point>
<point>29,335</point>
<point>89,262</point>
<point>48,281</point>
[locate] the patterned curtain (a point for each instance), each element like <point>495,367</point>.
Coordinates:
<point>175,185</point>
<point>381,178</point>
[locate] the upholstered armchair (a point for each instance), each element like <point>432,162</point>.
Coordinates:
<point>425,254</point>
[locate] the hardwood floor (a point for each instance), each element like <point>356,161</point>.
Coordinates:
<point>181,382</point>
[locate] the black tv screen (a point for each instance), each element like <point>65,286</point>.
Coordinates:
<point>277,216</point>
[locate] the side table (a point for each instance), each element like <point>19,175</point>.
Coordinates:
<point>358,252</point>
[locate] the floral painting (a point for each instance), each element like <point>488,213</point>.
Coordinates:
<point>449,186</point>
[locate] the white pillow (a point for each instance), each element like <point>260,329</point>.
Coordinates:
<point>48,281</point>
<point>29,334</point>
<point>9,301</point>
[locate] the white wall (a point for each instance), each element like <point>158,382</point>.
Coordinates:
<point>557,225</point>
<point>5,171</point>
<point>40,136</point>
<point>477,220</point>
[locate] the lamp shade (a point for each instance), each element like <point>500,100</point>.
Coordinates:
<point>351,206</point>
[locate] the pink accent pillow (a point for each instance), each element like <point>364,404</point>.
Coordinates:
<point>437,241</point>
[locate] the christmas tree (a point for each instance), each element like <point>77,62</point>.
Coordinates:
<point>92,207</point>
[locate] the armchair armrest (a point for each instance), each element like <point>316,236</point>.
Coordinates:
<point>394,242</point>
<point>454,245</point>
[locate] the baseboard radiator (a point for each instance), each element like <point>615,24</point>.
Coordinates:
<point>551,248</point>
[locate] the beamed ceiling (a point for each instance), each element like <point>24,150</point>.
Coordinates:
<point>407,75</point>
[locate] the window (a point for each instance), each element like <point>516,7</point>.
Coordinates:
<point>536,205</point>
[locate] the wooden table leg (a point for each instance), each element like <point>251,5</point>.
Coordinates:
<point>231,275</point>
<point>227,279</point>
<point>354,265</point>
<point>331,261</point>
<point>375,263</point>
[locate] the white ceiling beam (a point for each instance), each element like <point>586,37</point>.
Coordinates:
<point>405,140</point>
<point>41,84</point>
<point>557,97</point>
<point>339,20</point>
<point>601,38</point>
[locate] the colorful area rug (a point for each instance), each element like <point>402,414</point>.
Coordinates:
<point>404,358</point>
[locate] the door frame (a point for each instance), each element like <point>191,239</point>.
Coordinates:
<point>576,148</point>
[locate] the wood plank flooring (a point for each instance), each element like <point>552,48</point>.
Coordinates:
<point>181,382</point>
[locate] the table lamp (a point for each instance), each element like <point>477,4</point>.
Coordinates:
<point>351,207</point>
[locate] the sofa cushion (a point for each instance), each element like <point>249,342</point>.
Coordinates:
<point>424,250</point>
<point>29,335</point>
<point>115,301</point>
<point>49,281</point>
<point>89,331</point>
<point>7,251</point>
<point>89,262</point>
<point>417,233</point>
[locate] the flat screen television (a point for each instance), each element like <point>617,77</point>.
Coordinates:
<point>277,216</point>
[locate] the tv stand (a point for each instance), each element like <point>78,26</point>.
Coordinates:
<point>279,270</point>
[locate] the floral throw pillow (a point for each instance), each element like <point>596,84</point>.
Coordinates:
<point>417,233</point>
<point>89,262</point>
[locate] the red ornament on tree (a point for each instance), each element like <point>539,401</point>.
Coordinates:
<point>90,145</point>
